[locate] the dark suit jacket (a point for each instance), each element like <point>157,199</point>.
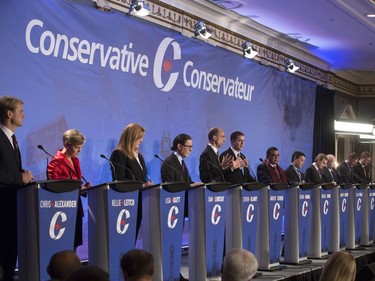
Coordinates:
<point>360,173</point>
<point>120,160</point>
<point>210,172</point>
<point>346,174</point>
<point>236,176</point>
<point>327,177</point>
<point>264,175</point>
<point>292,175</point>
<point>10,180</point>
<point>312,175</point>
<point>172,171</point>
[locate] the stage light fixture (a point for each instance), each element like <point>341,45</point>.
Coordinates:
<point>290,66</point>
<point>201,30</point>
<point>353,128</point>
<point>139,8</point>
<point>248,50</point>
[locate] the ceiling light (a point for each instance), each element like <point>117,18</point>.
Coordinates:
<point>201,30</point>
<point>353,127</point>
<point>139,8</point>
<point>248,50</point>
<point>370,15</point>
<point>290,66</point>
<point>368,137</point>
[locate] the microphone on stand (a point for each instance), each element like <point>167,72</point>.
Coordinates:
<point>222,175</point>
<point>174,169</point>
<point>261,159</point>
<point>113,167</point>
<point>243,157</point>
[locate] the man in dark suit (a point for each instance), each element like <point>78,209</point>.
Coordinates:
<point>269,171</point>
<point>329,173</point>
<point>314,172</point>
<point>363,169</point>
<point>211,169</point>
<point>238,172</point>
<point>293,172</point>
<point>12,176</point>
<point>345,169</point>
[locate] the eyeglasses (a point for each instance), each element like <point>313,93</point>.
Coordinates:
<point>188,146</point>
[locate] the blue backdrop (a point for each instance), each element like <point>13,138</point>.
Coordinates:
<point>77,67</point>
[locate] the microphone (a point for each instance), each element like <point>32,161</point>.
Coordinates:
<point>243,157</point>
<point>222,175</point>
<point>42,148</point>
<point>174,169</point>
<point>261,159</point>
<point>122,166</point>
<point>113,167</point>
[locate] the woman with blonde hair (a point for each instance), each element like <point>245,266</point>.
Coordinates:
<point>128,163</point>
<point>65,165</point>
<point>340,266</point>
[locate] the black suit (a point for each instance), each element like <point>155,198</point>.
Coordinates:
<point>293,176</point>
<point>346,174</point>
<point>359,171</point>
<point>10,180</point>
<point>172,171</point>
<point>210,172</point>
<point>330,176</point>
<point>236,176</point>
<point>312,175</point>
<point>119,161</point>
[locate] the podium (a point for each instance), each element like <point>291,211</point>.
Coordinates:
<point>298,211</point>
<point>46,218</point>
<point>346,225</point>
<point>371,203</point>
<point>321,220</point>
<point>268,248</point>
<point>112,223</point>
<point>163,222</point>
<point>361,213</point>
<point>242,216</point>
<point>207,213</point>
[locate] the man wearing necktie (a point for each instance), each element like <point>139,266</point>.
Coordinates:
<point>346,169</point>
<point>211,169</point>
<point>238,170</point>
<point>363,168</point>
<point>329,173</point>
<point>293,172</point>
<point>12,176</point>
<point>269,171</point>
<point>314,172</point>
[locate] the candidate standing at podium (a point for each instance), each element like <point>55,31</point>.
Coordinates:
<point>329,172</point>
<point>314,172</point>
<point>128,163</point>
<point>293,172</point>
<point>269,171</point>
<point>65,165</point>
<point>362,168</point>
<point>239,171</point>
<point>12,176</point>
<point>211,169</point>
<point>345,169</point>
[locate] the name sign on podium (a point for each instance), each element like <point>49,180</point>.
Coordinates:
<point>344,214</point>
<point>372,213</point>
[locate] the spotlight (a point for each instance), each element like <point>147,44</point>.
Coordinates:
<point>139,8</point>
<point>290,66</point>
<point>249,50</point>
<point>201,30</point>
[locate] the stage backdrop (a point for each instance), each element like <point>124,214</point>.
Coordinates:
<point>77,67</point>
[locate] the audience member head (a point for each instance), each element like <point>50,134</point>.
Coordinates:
<point>331,161</point>
<point>216,137</point>
<point>137,265</point>
<point>89,273</point>
<point>340,266</point>
<point>239,265</point>
<point>237,140</point>
<point>365,158</point>
<point>183,145</point>
<point>62,264</point>
<point>298,159</point>
<point>130,139</point>
<point>11,112</point>
<point>353,159</point>
<point>321,160</point>
<point>272,155</point>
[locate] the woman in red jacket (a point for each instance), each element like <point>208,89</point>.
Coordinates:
<point>65,165</point>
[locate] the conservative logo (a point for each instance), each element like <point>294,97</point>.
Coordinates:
<point>343,205</point>
<point>372,203</point>
<point>325,207</point>
<point>305,207</point>
<point>215,215</point>
<point>359,204</point>
<point>122,224</point>
<point>276,211</point>
<point>56,228</point>
<point>172,217</point>
<point>250,213</point>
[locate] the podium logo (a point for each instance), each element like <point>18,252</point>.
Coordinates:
<point>276,211</point>
<point>372,203</point>
<point>172,219</point>
<point>56,231</point>
<point>305,208</point>
<point>121,225</point>
<point>359,204</point>
<point>250,213</point>
<point>166,65</point>
<point>343,205</point>
<point>325,207</point>
<point>215,217</point>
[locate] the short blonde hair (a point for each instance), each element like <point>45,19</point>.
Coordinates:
<point>130,134</point>
<point>340,266</point>
<point>74,137</point>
